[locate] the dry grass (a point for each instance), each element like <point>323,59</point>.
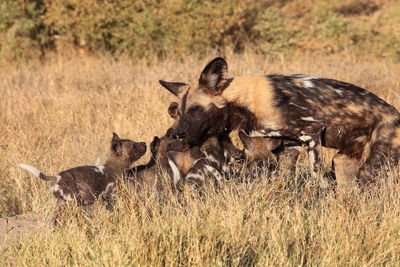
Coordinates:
<point>62,114</point>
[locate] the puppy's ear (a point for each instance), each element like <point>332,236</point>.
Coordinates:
<point>173,110</point>
<point>155,144</point>
<point>246,140</point>
<point>169,132</point>
<point>116,144</point>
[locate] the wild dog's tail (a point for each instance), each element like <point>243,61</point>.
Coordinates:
<point>37,173</point>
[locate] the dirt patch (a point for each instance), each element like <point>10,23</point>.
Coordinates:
<point>13,228</point>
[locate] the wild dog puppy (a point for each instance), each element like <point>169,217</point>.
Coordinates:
<point>258,150</point>
<point>177,159</point>
<point>86,183</point>
<point>147,174</point>
<point>364,128</point>
<point>197,166</point>
<point>267,153</point>
<point>172,156</point>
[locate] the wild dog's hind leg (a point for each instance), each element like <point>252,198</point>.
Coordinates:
<point>312,141</point>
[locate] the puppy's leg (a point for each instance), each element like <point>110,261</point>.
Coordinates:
<point>60,213</point>
<point>107,196</point>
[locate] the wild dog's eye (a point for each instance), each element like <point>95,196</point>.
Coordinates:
<point>196,110</point>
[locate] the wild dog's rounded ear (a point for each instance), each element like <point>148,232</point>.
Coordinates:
<point>115,137</point>
<point>169,132</point>
<point>175,88</point>
<point>154,144</point>
<point>115,143</point>
<point>214,74</point>
<point>173,110</point>
<point>246,140</point>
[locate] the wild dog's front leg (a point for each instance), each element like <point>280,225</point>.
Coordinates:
<point>312,141</point>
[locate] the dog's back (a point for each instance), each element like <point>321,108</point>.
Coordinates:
<point>85,183</point>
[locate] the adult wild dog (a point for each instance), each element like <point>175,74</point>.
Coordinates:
<point>305,109</point>
<point>198,165</point>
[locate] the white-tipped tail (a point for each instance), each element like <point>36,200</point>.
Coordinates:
<point>31,169</point>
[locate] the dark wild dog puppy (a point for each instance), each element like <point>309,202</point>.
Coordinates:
<point>173,157</point>
<point>258,150</point>
<point>86,183</point>
<point>196,165</point>
<point>262,152</point>
<point>147,175</point>
<point>363,127</point>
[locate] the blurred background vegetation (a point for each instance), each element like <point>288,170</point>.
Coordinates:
<point>34,29</point>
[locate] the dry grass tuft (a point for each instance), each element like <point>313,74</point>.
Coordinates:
<point>62,114</point>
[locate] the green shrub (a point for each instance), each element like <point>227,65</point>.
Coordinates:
<point>154,28</point>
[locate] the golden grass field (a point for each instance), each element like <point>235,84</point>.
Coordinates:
<point>62,114</point>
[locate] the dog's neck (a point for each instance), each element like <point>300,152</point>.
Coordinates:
<point>115,167</point>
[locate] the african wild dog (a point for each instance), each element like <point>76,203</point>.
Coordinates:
<point>258,150</point>
<point>86,183</point>
<point>197,166</point>
<point>147,174</point>
<point>301,108</point>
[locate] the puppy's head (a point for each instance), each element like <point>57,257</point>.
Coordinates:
<point>159,146</point>
<point>182,155</point>
<point>259,148</point>
<point>127,150</point>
